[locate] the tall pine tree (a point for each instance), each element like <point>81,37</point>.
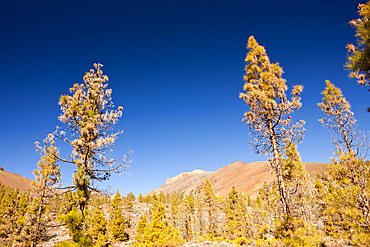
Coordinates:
<point>268,117</point>
<point>89,120</point>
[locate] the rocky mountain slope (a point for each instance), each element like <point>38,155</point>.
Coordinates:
<point>245,178</point>
<point>14,180</point>
<point>185,175</point>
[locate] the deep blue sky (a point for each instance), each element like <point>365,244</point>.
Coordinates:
<point>177,69</point>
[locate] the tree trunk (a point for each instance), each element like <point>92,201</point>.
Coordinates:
<point>276,164</point>
<point>38,222</point>
<point>345,136</point>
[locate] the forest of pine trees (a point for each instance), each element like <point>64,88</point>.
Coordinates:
<point>294,210</point>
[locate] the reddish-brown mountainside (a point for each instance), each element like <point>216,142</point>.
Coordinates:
<point>245,178</point>
<point>14,180</point>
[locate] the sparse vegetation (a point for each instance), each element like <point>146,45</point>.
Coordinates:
<point>292,210</point>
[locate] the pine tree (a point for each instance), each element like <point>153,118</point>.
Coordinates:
<point>190,199</point>
<point>344,193</point>
<point>9,214</point>
<point>187,216</point>
<point>98,226</point>
<point>140,229</point>
<point>260,218</point>
<point>118,227</point>
<point>235,212</point>
<point>174,213</point>
<point>162,197</point>
<point>293,168</point>
<point>297,229</point>
<point>17,223</point>
<point>210,206</point>
<point>168,199</point>
<point>116,203</point>
<point>129,205</point>
<point>141,198</point>
<point>74,221</point>
<point>341,121</point>
<point>89,120</point>
<point>297,181</point>
<point>47,179</point>
<point>359,59</point>
<point>158,232</point>
<point>249,201</point>
<point>27,222</point>
<point>148,199</point>
<point>268,119</point>
<point>67,203</point>
<point>199,216</point>
<point>118,224</point>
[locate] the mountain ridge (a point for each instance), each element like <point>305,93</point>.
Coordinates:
<point>185,175</point>
<point>245,177</point>
<point>14,180</point>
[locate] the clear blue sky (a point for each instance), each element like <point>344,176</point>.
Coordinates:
<point>177,69</point>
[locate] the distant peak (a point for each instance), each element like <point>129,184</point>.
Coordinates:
<point>185,175</point>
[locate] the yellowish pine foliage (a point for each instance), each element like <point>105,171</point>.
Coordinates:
<point>359,56</point>
<point>340,120</point>
<point>268,117</point>
<point>89,118</point>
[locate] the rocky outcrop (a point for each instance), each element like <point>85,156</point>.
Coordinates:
<point>185,175</point>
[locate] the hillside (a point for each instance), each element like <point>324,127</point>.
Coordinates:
<point>14,180</point>
<point>245,178</point>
